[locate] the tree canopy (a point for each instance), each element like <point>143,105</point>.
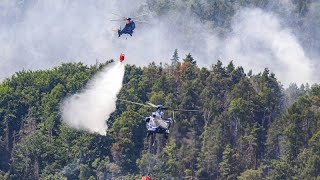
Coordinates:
<point>249,127</point>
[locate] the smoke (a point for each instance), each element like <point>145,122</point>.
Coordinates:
<point>89,109</point>
<point>310,30</point>
<point>258,40</point>
<point>41,34</point>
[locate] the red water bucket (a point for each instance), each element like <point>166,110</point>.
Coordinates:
<point>121,57</point>
<point>146,178</point>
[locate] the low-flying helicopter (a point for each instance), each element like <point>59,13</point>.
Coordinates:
<point>156,123</point>
<point>130,24</point>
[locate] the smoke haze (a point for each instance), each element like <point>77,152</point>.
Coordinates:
<point>89,109</point>
<point>41,34</point>
<point>258,40</point>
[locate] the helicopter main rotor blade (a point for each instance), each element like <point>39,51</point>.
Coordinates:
<point>140,15</point>
<point>118,15</point>
<point>165,108</point>
<point>145,22</point>
<point>152,105</point>
<point>182,110</point>
<point>140,104</point>
<point>185,110</point>
<point>116,20</point>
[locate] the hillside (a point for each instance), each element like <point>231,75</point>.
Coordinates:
<point>251,123</point>
<point>249,127</point>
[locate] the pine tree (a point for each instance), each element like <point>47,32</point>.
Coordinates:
<point>175,58</point>
<point>226,167</point>
<point>189,59</point>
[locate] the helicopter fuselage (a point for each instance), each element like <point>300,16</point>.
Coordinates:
<point>156,123</point>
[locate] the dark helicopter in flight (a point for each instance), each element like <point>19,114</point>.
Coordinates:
<point>156,123</point>
<point>130,24</point>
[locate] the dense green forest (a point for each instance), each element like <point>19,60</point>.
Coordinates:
<point>249,127</point>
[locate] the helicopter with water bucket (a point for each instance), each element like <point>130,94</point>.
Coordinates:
<point>156,123</point>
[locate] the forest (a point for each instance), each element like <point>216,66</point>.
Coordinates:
<point>249,126</point>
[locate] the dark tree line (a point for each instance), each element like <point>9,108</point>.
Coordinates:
<point>249,127</point>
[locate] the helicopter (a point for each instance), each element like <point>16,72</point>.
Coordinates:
<point>156,123</point>
<point>130,24</point>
